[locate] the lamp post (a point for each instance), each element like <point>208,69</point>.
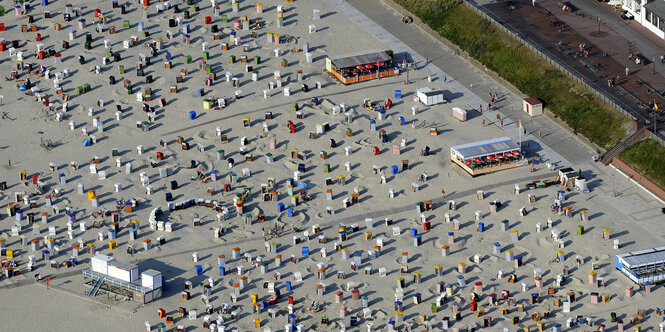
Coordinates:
<point>614,193</point>
<point>654,66</point>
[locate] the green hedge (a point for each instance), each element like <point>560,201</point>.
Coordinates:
<point>527,71</point>
<point>648,158</point>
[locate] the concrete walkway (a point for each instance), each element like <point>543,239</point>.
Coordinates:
<point>462,78</point>
<point>647,43</point>
<point>612,192</point>
<point>618,37</point>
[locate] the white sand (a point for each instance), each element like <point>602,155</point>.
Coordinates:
<point>30,307</point>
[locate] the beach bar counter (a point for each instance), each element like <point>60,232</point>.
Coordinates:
<point>643,266</point>
<point>354,68</point>
<point>487,156</point>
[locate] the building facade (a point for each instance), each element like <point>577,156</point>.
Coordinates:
<point>650,14</point>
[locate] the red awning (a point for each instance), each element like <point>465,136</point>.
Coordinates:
<point>516,152</point>
<point>468,162</point>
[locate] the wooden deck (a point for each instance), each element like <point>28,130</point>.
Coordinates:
<point>485,170</point>
<point>362,78</point>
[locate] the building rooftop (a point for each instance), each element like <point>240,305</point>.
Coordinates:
<point>657,7</point>
<point>647,256</point>
<point>357,59</point>
<point>484,148</point>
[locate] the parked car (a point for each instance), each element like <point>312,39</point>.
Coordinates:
<point>626,15</point>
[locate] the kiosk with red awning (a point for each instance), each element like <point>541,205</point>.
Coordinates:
<point>353,68</point>
<point>487,156</point>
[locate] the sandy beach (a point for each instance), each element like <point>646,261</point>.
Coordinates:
<point>34,136</point>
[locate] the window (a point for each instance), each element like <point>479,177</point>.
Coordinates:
<point>654,20</point>
<point>649,15</point>
<point>662,24</point>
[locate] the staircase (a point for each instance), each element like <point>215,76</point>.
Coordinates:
<point>638,135</point>
<point>94,288</point>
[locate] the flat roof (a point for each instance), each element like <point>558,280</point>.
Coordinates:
<point>484,148</point>
<point>533,100</point>
<point>104,258</point>
<point>357,59</point>
<point>656,7</point>
<point>125,266</point>
<point>646,256</point>
<point>427,91</point>
<point>151,273</point>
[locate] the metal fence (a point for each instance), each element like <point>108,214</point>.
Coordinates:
<point>565,68</point>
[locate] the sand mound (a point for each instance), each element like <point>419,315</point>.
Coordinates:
<point>543,243</point>
<point>602,257</point>
<point>290,164</point>
<point>356,175</point>
<point>205,135</point>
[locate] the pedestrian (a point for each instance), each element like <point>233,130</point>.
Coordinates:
<point>483,122</point>
<point>501,123</point>
<point>540,133</point>
<point>533,3</point>
<point>10,163</point>
<point>443,193</point>
<point>488,107</point>
<point>445,79</point>
<point>497,116</point>
<point>609,83</point>
<point>627,71</point>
